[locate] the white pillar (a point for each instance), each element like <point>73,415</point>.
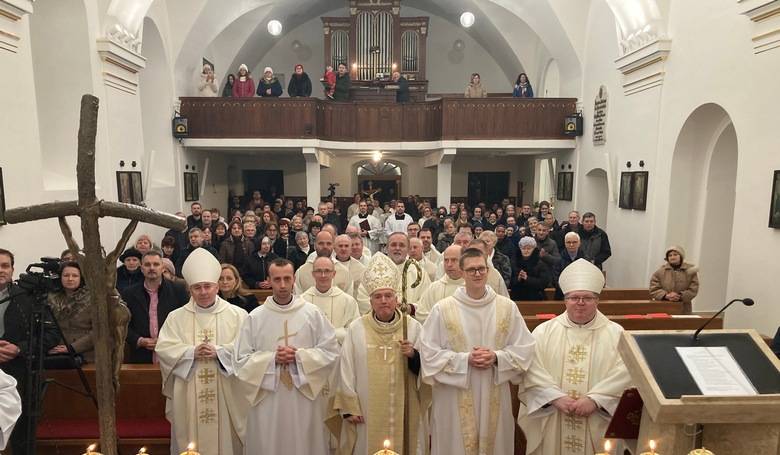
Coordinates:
<point>444,177</point>
<point>311,155</point>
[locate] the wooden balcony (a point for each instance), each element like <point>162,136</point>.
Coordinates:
<point>493,118</point>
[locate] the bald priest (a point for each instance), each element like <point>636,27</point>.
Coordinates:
<point>577,376</point>
<point>195,350</point>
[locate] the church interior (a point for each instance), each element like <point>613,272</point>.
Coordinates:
<point>654,115</point>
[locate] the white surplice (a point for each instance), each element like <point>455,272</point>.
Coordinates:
<point>286,420</point>
<point>10,407</point>
<point>202,400</point>
<point>472,408</point>
<point>393,224</point>
<point>575,360</point>
<point>356,269</point>
<point>433,254</point>
<point>338,307</point>
<point>494,280</point>
<point>304,279</point>
<point>438,290</point>
<point>375,234</point>
<point>413,294</point>
<point>371,385</point>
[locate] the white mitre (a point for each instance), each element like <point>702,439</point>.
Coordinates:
<point>581,275</point>
<point>201,267</point>
<point>381,273</point>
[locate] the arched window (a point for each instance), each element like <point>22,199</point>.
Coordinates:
<point>410,51</point>
<point>382,168</point>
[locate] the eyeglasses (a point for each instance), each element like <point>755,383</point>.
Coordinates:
<point>476,271</point>
<point>588,299</point>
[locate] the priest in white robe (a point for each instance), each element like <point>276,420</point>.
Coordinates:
<point>577,377</point>
<point>443,287</point>
<point>195,351</point>
<point>323,246</point>
<point>398,252</point>
<point>285,354</point>
<point>338,307</point>
<point>343,257</point>
<point>371,229</point>
<point>416,253</point>
<point>358,251</point>
<point>473,345</point>
<point>494,278</point>
<point>10,407</point>
<point>430,251</point>
<point>398,221</point>
<point>376,360</point>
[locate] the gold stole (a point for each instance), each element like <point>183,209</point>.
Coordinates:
<point>575,380</point>
<point>207,380</point>
<point>472,442</point>
<point>386,367</point>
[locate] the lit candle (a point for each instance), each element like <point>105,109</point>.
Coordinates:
<point>386,450</point>
<point>91,450</point>
<point>607,448</point>
<point>190,450</point>
<point>701,451</point>
<point>142,451</point>
<point>652,451</point>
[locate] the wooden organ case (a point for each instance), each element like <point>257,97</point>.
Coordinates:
<point>373,42</point>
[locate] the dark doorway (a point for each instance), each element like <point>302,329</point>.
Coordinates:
<point>380,188</point>
<point>488,187</point>
<point>269,183</point>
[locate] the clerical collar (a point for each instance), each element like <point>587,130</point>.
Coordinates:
<point>326,293</point>
<point>383,323</point>
<point>363,216</point>
<point>463,296</point>
<point>283,304</point>
<point>208,309</point>
<point>586,325</point>
<point>400,217</point>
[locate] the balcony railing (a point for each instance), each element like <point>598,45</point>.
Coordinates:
<point>442,119</point>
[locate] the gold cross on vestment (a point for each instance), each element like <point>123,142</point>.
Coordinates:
<point>207,396</point>
<point>573,443</point>
<point>578,353</point>
<point>575,375</point>
<point>207,376</point>
<point>384,350</point>
<point>287,335</point>
<point>207,416</point>
<point>574,394</point>
<point>285,375</point>
<point>206,335</point>
<point>573,423</point>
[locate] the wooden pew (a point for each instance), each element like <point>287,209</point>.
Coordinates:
<point>612,294</point>
<point>689,322</point>
<point>608,307</point>
<point>69,421</point>
<point>261,294</point>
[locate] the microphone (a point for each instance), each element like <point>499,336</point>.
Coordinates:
<point>747,301</point>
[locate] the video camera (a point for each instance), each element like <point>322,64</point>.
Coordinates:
<point>41,276</point>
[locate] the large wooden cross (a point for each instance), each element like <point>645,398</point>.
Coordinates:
<point>99,269</point>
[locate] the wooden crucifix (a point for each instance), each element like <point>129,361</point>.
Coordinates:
<point>108,326</point>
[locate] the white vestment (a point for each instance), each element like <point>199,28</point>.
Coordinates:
<point>286,419</point>
<point>304,280</point>
<point>433,255</point>
<point>370,385</point>
<point>577,361</point>
<point>365,258</point>
<point>356,269</point>
<point>376,233</point>
<point>10,407</point>
<point>412,294</point>
<point>438,290</point>
<point>495,280</point>
<point>472,408</point>
<point>338,307</point>
<point>203,403</point>
<point>393,224</point>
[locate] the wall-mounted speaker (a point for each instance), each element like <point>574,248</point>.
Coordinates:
<point>180,128</point>
<point>572,125</point>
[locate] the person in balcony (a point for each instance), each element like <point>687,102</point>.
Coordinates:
<point>343,83</point>
<point>475,89</point>
<point>329,81</point>
<point>269,85</point>
<point>300,84</point>
<point>244,86</point>
<point>208,86</point>
<point>227,92</point>
<point>523,87</point>
<point>402,95</point>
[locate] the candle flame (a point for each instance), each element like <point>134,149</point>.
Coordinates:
<point>143,450</point>
<point>652,444</point>
<point>387,444</point>
<point>607,446</point>
<point>91,448</point>
<point>191,446</point>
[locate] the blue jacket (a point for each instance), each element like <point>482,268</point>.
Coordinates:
<point>274,85</point>
<point>529,93</point>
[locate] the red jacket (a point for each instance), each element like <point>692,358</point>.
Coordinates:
<point>245,89</point>
<point>330,81</point>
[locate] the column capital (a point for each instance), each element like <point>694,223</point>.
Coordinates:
<point>121,64</point>
<point>11,14</point>
<point>765,18</point>
<point>643,67</point>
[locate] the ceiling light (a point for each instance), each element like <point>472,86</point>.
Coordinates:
<point>467,19</point>
<point>275,27</point>
<point>376,156</point>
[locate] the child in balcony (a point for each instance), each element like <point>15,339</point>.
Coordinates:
<point>329,81</point>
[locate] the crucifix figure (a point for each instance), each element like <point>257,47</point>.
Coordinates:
<point>285,376</point>
<point>109,316</point>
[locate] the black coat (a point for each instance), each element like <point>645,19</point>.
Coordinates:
<point>186,253</point>
<point>170,296</point>
<point>16,324</point>
<point>402,95</point>
<point>126,278</point>
<point>539,277</point>
<point>280,247</point>
<point>343,83</point>
<point>558,269</point>
<point>297,256</point>
<point>507,246</point>
<point>245,302</point>
<point>273,85</point>
<point>595,244</point>
<point>256,269</point>
<point>299,86</point>
<point>192,222</point>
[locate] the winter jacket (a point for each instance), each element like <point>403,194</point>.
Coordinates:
<point>343,83</point>
<point>532,288</point>
<point>684,280</point>
<point>475,91</point>
<point>299,86</point>
<point>595,244</point>
<point>264,84</point>
<point>244,89</point>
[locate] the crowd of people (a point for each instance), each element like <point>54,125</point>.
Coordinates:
<point>340,269</point>
<point>336,84</point>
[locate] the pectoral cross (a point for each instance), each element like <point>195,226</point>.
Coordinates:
<point>384,350</point>
<point>285,376</point>
<point>206,335</point>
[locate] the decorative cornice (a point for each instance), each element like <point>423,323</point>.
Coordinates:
<point>643,68</point>
<point>11,14</point>
<point>120,65</point>
<point>765,15</point>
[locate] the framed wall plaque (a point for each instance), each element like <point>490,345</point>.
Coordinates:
<point>565,191</point>
<point>191,188</point>
<point>633,190</point>
<point>774,205</point>
<point>129,187</point>
<point>624,201</point>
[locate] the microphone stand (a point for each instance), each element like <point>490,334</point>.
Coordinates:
<point>696,334</point>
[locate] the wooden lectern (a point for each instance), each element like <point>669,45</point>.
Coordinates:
<point>673,403</point>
